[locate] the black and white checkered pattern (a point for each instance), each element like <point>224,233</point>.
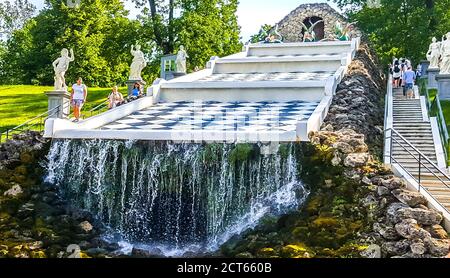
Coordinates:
<point>218,116</point>
<point>297,55</point>
<point>278,76</point>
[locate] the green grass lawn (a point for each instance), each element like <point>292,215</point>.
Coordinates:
<point>19,103</point>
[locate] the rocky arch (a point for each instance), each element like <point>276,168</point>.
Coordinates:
<point>319,29</point>
<point>291,29</point>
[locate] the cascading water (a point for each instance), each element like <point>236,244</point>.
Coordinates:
<point>176,195</point>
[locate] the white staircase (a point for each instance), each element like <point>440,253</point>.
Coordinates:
<point>408,121</point>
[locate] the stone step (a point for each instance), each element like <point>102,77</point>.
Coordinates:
<point>417,133</point>
<point>412,160</point>
<point>409,117</point>
<point>438,187</point>
<point>415,165</point>
<point>443,194</point>
<point>417,142</point>
<point>429,177</point>
<point>407,112</point>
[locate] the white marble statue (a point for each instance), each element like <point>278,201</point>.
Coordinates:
<point>138,63</point>
<point>445,51</point>
<point>434,53</point>
<point>60,66</point>
<point>181,60</point>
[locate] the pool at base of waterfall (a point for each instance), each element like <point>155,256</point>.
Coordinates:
<point>176,198</point>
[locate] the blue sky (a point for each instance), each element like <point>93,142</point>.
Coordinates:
<point>251,14</point>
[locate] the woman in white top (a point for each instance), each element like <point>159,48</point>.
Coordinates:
<point>115,98</point>
<point>78,98</point>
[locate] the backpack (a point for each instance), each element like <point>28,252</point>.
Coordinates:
<point>396,69</point>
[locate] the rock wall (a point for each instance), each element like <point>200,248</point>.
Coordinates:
<point>291,29</point>
<point>34,221</point>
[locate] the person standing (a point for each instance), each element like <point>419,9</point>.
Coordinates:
<point>78,98</point>
<point>396,73</point>
<point>408,81</point>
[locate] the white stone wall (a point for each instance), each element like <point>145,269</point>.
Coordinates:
<point>291,29</point>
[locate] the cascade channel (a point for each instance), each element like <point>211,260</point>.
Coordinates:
<point>177,196</point>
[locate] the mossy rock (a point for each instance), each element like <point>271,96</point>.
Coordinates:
<point>245,255</point>
<point>22,170</point>
<point>242,152</point>
<point>313,205</point>
<point>349,250</point>
<point>18,178</point>
<point>38,255</point>
<point>266,253</point>
<point>301,233</point>
<point>325,222</point>
<point>26,158</point>
<point>298,250</point>
<point>83,255</point>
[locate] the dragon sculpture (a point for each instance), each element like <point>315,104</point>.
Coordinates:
<point>310,35</point>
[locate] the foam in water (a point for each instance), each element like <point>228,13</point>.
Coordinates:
<point>177,197</point>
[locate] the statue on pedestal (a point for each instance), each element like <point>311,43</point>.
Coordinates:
<point>309,35</point>
<point>434,53</point>
<point>60,66</point>
<point>138,63</point>
<point>445,51</point>
<point>181,60</point>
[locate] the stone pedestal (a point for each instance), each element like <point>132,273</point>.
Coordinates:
<point>425,65</point>
<point>432,83</point>
<point>443,81</point>
<point>178,74</point>
<point>59,99</point>
<point>130,86</point>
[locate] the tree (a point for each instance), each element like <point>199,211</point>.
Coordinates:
<point>13,15</point>
<point>262,34</point>
<point>400,28</point>
<point>209,28</point>
<point>205,27</point>
<point>98,30</point>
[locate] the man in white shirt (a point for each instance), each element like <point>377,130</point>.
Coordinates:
<point>78,98</point>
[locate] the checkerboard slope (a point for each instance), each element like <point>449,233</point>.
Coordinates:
<point>218,116</point>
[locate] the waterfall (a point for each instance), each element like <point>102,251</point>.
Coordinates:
<point>176,195</point>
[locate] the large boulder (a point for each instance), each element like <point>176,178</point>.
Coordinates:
<point>386,231</point>
<point>392,212</point>
<point>409,198</point>
<point>356,160</point>
<point>343,147</point>
<point>393,183</point>
<point>395,248</point>
<point>372,252</point>
<point>422,216</point>
<point>418,247</point>
<point>437,231</point>
<point>438,247</point>
<point>409,229</point>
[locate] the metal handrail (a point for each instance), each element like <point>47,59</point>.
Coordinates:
<point>442,125</point>
<point>428,165</point>
<point>41,120</point>
<point>435,110</point>
<point>98,107</point>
